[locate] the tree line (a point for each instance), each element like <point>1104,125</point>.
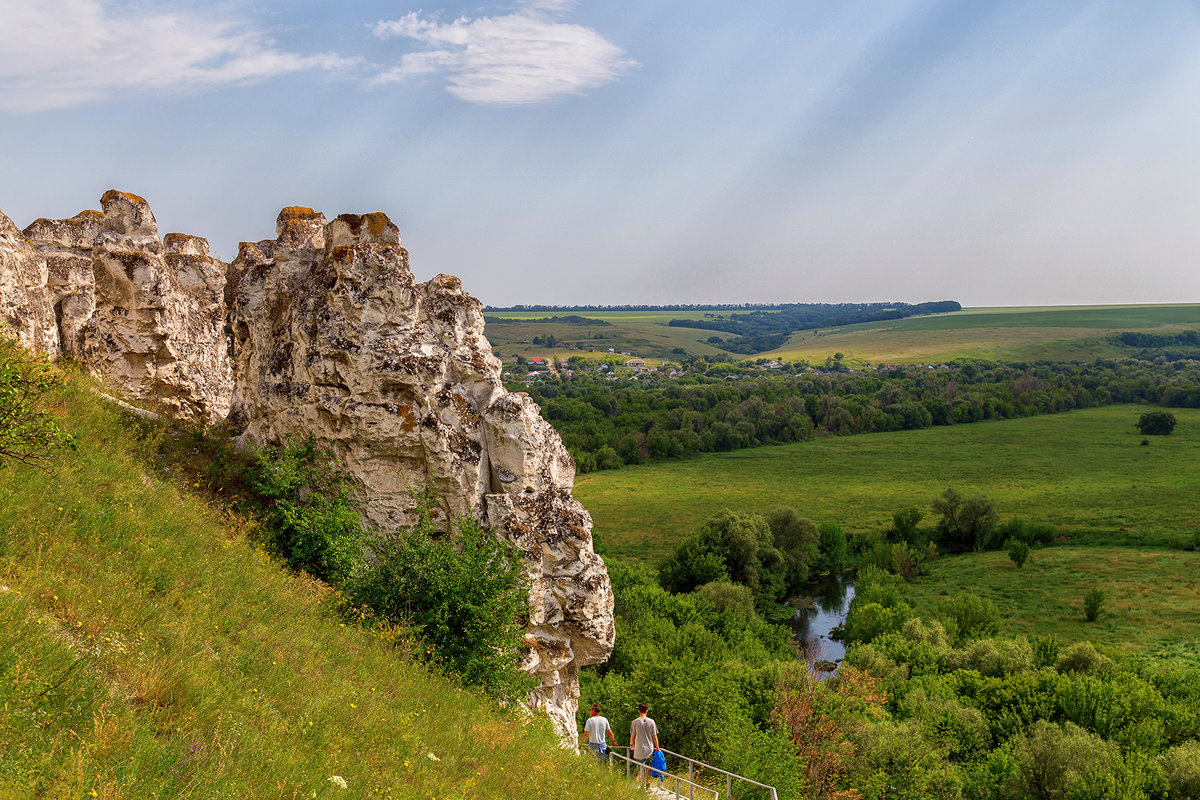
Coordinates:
<point>609,424</point>
<point>762,330</point>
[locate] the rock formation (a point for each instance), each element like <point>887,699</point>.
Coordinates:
<point>25,305</point>
<point>143,314</point>
<point>333,336</point>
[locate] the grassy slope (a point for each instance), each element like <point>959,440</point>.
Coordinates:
<point>1049,333</point>
<point>1084,471</point>
<point>148,650</point>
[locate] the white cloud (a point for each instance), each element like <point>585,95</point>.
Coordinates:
<point>514,59</point>
<point>59,53</point>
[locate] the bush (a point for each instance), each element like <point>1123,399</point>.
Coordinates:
<point>1054,762</point>
<point>1045,650</point>
<point>1018,552</point>
<point>1093,599</point>
<point>29,433</point>
<point>313,523</point>
<point>907,561</point>
<point>832,548</point>
<point>1084,658</point>
<point>968,616</point>
<point>1182,767</point>
<point>1156,423</point>
<point>463,593</point>
<point>1033,534</point>
<point>994,658</point>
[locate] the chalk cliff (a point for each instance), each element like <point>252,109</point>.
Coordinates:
<point>146,317</point>
<point>332,335</point>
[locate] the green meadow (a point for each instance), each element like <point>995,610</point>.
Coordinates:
<point>1151,604</point>
<point>1085,472</point>
<point>1052,333</point>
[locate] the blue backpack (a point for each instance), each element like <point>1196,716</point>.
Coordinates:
<point>658,765</point>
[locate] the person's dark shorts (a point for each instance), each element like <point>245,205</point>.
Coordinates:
<point>598,749</point>
<point>645,761</point>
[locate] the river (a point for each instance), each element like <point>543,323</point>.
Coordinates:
<point>819,612</point>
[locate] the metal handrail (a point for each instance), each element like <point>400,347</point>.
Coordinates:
<point>678,778</point>
<point>690,780</point>
<point>729,776</point>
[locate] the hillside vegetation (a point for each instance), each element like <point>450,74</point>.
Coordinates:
<point>148,649</point>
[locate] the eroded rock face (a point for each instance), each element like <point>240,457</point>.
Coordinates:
<point>144,315</point>
<point>66,245</point>
<point>25,305</point>
<point>332,335</point>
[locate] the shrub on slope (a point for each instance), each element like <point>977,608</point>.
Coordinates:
<point>147,649</point>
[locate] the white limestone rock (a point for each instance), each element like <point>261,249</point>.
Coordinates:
<point>67,247</point>
<point>147,319</point>
<point>26,309</point>
<point>333,336</point>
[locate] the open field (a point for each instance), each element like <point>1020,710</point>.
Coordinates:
<point>1084,471</point>
<point>1062,333</point>
<point>1152,593</point>
<point>643,333</point>
<point>1059,333</point>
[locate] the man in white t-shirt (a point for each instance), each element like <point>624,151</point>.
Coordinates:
<point>594,731</point>
<point>643,738</point>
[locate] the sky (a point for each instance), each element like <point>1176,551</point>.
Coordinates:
<point>642,151</point>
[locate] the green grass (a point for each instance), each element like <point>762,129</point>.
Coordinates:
<point>1084,471</point>
<point>1062,333</point>
<point>1152,594</point>
<point>149,649</point>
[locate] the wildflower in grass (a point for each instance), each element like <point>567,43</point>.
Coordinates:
<point>338,781</point>
<point>432,757</point>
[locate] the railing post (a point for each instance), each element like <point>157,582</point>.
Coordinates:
<point>691,779</point>
<point>728,786</point>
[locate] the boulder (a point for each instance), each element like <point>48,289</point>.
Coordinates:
<point>25,303</point>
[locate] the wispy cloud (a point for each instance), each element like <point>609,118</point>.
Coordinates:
<point>59,53</point>
<point>527,56</point>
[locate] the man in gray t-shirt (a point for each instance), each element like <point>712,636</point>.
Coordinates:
<point>594,731</point>
<point>643,739</point>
